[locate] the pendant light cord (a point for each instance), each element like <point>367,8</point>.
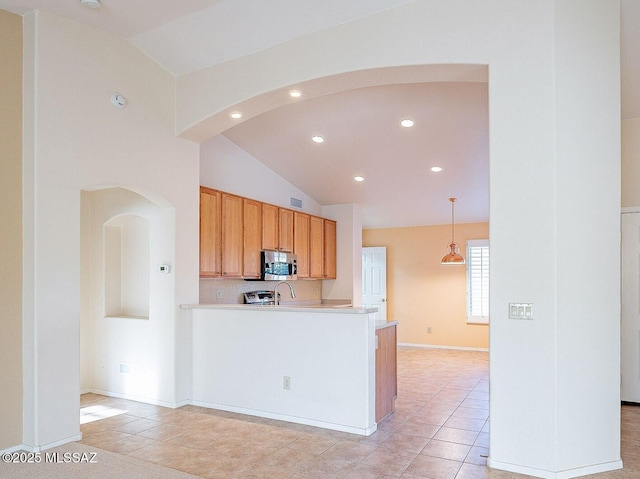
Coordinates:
<point>452,218</point>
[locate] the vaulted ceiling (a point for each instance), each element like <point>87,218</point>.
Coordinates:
<point>361,128</point>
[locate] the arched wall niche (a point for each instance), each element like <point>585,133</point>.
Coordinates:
<point>125,241</point>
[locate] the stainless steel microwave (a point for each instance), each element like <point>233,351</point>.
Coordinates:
<point>278,266</point>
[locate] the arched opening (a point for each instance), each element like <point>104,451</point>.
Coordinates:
<point>429,299</point>
<point>125,238</point>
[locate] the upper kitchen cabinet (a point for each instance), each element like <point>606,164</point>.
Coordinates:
<point>286,230</point>
<point>252,227</point>
<point>277,228</point>
<point>232,235</point>
<point>221,234</point>
<point>330,259</point>
<point>316,247</point>
<point>210,234</point>
<point>234,230</point>
<point>270,220</point>
<point>301,242</point>
<point>322,248</point>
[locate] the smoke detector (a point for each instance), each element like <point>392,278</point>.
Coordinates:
<point>91,3</point>
<point>118,100</point>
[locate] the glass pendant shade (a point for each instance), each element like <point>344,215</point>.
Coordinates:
<point>452,257</point>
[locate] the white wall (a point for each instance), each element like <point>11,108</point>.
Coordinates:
<point>547,157</point>
<point>227,167</point>
<point>586,115</point>
<point>331,365</point>
<point>74,140</point>
<point>348,282</point>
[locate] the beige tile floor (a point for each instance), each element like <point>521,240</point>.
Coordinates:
<point>440,430</point>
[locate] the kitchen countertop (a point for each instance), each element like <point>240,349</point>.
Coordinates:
<point>380,324</point>
<point>305,308</point>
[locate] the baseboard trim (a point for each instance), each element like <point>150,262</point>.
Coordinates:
<point>283,417</point>
<point>251,412</point>
<point>567,474</point>
<point>130,397</point>
<point>62,442</point>
<point>20,447</point>
<point>439,346</point>
<point>43,447</point>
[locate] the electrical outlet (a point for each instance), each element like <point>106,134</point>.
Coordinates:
<point>429,330</point>
<point>219,294</point>
<point>125,368</point>
<point>286,382</point>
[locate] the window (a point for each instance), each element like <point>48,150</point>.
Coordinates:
<point>478,281</point>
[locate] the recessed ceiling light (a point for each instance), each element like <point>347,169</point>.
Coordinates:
<point>91,3</point>
<point>317,139</point>
<point>436,169</point>
<point>236,115</point>
<point>358,178</point>
<point>407,123</point>
<point>295,93</point>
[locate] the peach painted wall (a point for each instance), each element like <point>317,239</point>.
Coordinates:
<point>421,293</point>
<point>11,229</point>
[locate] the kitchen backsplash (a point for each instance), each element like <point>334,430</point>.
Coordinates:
<point>230,291</point>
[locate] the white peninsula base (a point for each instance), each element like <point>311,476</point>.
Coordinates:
<point>313,366</point>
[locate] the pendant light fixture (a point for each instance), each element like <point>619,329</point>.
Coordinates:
<point>452,257</point>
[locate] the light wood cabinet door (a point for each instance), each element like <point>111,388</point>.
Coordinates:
<point>232,236</point>
<point>234,230</point>
<point>316,247</point>
<point>210,233</point>
<point>286,228</point>
<point>301,242</point>
<point>330,261</point>
<point>386,372</point>
<point>252,232</point>
<point>270,221</point>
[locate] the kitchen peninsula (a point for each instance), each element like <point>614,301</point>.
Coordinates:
<point>309,365</point>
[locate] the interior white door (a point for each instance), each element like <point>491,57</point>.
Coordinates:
<point>630,324</point>
<point>374,279</point>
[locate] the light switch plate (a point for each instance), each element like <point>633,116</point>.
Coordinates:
<point>521,311</point>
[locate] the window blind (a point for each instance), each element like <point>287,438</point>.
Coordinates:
<point>478,281</point>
